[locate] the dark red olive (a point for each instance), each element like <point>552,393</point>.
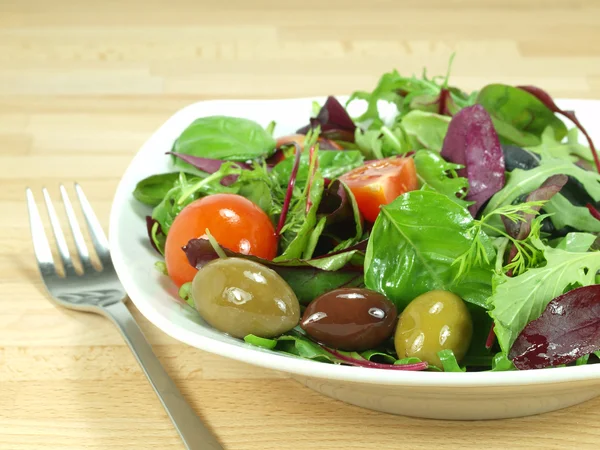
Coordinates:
<point>350,319</point>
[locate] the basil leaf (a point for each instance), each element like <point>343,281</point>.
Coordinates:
<point>436,174</point>
<point>426,128</point>
<point>413,246</point>
<point>153,189</point>
<point>519,300</point>
<point>226,138</point>
<point>520,110</point>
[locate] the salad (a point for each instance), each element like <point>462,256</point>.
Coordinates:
<point>459,235</point>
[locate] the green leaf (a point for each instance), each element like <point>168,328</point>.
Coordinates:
<point>501,363</point>
<point>519,300</point>
<point>383,142</point>
<point>576,242</point>
<point>436,174</point>
<point>161,267</point>
<point>519,182</point>
<point>426,128</point>
<point>413,246</point>
<point>566,214</point>
<point>332,164</point>
<point>582,361</point>
<point>225,138</point>
<point>261,342</point>
<point>185,293</point>
<point>520,110</point>
<point>570,150</point>
<point>381,356</point>
<point>309,284</point>
<point>449,362</point>
<point>186,190</point>
<point>300,224</point>
<point>313,239</point>
<point>152,190</point>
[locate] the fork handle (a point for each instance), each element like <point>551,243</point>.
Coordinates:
<point>193,432</point>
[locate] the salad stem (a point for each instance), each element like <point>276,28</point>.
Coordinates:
<point>215,176</point>
<point>290,189</point>
<point>366,363</point>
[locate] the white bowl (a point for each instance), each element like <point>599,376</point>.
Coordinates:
<point>462,396</point>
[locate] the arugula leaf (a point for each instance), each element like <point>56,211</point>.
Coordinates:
<point>225,138</point>
<point>436,174</point>
<point>518,300</point>
<point>565,214</point>
<point>151,190</point>
<point>412,250</point>
<point>519,110</point>
<point>521,182</point>
<point>383,142</point>
<point>427,129</point>
<point>570,150</point>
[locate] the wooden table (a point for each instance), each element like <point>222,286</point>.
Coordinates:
<point>83,84</point>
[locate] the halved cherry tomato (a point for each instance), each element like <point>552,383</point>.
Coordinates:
<point>380,182</point>
<point>234,221</point>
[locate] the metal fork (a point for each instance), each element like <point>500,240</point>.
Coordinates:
<point>99,291</point>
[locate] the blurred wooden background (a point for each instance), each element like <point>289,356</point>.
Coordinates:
<point>84,83</point>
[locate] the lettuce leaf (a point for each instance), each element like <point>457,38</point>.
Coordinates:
<point>519,300</point>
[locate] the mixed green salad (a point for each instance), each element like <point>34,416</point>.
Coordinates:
<point>460,235</point>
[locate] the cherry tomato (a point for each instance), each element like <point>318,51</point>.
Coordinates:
<point>380,182</point>
<point>234,221</point>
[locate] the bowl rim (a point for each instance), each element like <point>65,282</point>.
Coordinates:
<point>303,367</point>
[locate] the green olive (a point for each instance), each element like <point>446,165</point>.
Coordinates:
<point>432,322</point>
<point>241,297</point>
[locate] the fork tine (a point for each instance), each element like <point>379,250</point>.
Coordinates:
<point>98,236</point>
<point>41,247</point>
<point>84,254</point>
<point>61,243</point>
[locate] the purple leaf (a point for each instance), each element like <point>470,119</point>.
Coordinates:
<point>472,142</point>
<point>547,100</point>
<point>568,328</point>
<point>334,121</point>
<point>550,187</point>
<point>336,206</point>
<point>206,164</point>
<point>159,232</point>
<point>290,190</point>
<point>210,166</point>
<point>366,363</point>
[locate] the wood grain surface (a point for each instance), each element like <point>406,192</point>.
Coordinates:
<point>84,83</point>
